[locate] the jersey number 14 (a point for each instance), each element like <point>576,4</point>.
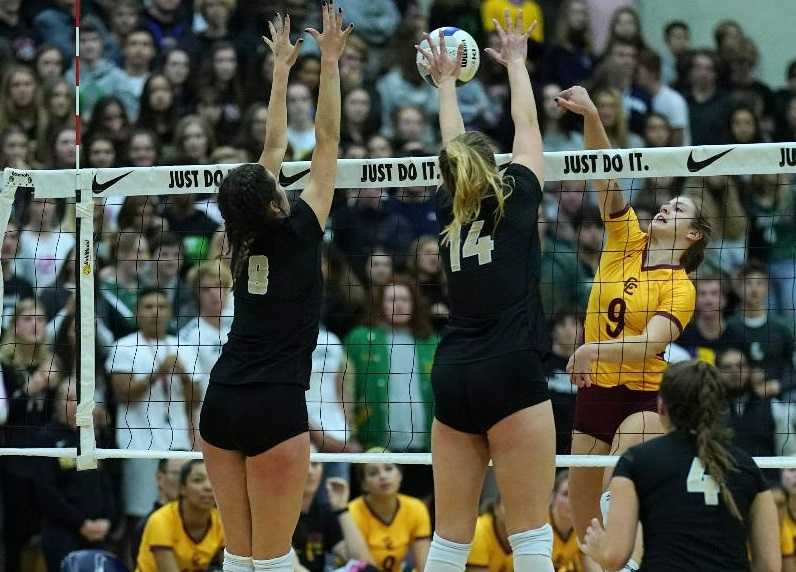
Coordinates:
<point>698,481</point>
<point>474,245</point>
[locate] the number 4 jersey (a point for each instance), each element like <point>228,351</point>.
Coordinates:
<point>626,294</point>
<point>493,274</point>
<point>685,522</point>
<point>277,305</point>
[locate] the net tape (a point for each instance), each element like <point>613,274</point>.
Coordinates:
<point>704,161</point>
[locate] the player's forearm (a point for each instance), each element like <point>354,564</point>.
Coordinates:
<point>276,126</point>
<point>327,119</point>
<point>630,349</point>
<point>451,123</point>
<point>523,104</point>
<point>355,543</point>
<point>595,137</point>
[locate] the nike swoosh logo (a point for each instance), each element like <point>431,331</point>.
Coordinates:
<point>286,181</point>
<point>694,166</point>
<point>98,187</point>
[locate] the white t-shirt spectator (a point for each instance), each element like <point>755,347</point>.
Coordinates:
<point>673,107</point>
<point>323,403</point>
<point>203,340</point>
<point>42,255</point>
<point>158,420</point>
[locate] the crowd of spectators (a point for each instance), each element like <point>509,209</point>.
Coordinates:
<point>175,82</point>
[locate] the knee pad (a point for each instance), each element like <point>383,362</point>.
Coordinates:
<point>536,542</point>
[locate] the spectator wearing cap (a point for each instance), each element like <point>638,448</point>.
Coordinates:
<point>665,100</point>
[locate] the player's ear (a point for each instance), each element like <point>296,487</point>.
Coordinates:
<point>694,235</point>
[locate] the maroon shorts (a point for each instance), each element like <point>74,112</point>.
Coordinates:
<point>599,411</point>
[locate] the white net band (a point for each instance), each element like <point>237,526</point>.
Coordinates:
<point>705,161</point>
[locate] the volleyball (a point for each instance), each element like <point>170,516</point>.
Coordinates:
<point>453,37</point>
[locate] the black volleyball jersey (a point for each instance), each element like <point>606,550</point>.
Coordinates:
<point>277,305</point>
<point>686,524</point>
<point>493,275</point>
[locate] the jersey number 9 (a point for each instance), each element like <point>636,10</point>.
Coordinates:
<point>474,244</point>
<point>616,314</point>
<point>258,274</point>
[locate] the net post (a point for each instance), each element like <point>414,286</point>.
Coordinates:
<point>84,293</point>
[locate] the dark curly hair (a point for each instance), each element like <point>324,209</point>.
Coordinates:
<point>244,199</point>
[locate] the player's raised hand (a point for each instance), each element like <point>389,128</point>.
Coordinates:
<point>576,99</point>
<point>333,39</point>
<point>439,64</point>
<point>285,53</point>
<point>513,40</point>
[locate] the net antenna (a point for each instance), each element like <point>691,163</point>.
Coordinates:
<point>87,186</point>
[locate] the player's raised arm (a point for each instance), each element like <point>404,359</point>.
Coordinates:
<point>323,169</point>
<point>527,147</point>
<point>576,99</point>
<point>445,72</point>
<point>285,55</point>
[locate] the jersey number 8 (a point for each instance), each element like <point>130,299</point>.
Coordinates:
<point>258,274</point>
<point>699,482</point>
<point>474,244</point>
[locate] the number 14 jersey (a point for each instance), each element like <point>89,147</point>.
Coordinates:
<point>493,272</point>
<point>626,294</point>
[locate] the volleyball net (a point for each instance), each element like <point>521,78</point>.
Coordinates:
<point>128,270</point>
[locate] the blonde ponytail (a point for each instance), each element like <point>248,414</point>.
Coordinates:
<point>469,171</point>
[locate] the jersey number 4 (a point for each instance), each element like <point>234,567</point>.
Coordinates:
<point>699,482</point>
<point>474,245</point>
<point>258,274</point>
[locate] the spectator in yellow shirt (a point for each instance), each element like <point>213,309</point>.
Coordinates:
<point>394,525</point>
<point>185,534</point>
<point>566,554</point>
<point>491,551</point>
<point>496,10</point>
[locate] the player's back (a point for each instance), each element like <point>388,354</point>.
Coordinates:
<point>686,524</point>
<point>277,305</point>
<point>492,270</point>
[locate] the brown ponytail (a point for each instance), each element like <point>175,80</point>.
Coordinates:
<point>695,254</point>
<point>469,171</point>
<point>695,400</point>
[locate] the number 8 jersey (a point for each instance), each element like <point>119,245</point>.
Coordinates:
<point>277,305</point>
<point>626,294</point>
<point>493,272</point>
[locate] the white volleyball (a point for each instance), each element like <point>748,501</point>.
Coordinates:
<point>453,37</point>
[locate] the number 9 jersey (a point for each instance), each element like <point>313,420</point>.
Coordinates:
<point>493,272</point>
<point>277,305</point>
<point>626,294</point>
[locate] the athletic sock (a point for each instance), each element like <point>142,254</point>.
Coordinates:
<point>446,555</point>
<point>280,564</point>
<point>532,550</point>
<point>631,566</point>
<point>234,563</point>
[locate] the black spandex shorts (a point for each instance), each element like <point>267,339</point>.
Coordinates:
<point>472,397</point>
<point>253,417</point>
<point>599,411</point>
